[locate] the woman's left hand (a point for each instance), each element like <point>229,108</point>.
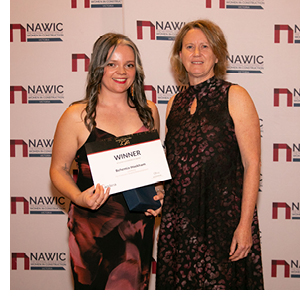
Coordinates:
<point>158,197</point>
<point>241,243</point>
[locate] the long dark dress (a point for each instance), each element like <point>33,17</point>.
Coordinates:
<point>202,205</point>
<point>110,248</point>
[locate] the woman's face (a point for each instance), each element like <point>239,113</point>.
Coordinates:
<point>197,56</point>
<point>119,74</point>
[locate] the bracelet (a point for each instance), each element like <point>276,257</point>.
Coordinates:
<point>160,190</point>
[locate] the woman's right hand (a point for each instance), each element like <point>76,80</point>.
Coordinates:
<point>93,198</point>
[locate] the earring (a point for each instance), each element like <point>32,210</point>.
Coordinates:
<point>132,91</point>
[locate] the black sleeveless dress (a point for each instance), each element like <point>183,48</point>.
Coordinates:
<point>202,205</point>
<point>110,248</point>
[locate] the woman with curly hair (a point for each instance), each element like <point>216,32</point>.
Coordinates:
<point>110,247</point>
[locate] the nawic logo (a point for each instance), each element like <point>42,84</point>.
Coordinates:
<point>163,30</point>
<point>40,261</point>
<point>292,99</point>
<point>97,3</point>
<point>245,63</point>
<point>237,4</point>
<point>291,270</point>
<point>34,148</point>
<point>293,36</point>
<point>163,93</point>
<point>80,56</point>
<point>38,94</point>
<point>292,153</point>
<point>50,205</point>
<point>289,212</point>
<point>38,32</point>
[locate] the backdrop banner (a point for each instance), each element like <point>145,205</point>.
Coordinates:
<point>50,49</point>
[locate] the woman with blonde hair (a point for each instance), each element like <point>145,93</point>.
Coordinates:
<point>209,235</point>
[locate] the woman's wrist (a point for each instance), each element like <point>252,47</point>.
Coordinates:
<point>160,190</point>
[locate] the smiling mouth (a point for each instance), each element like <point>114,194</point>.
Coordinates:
<point>197,62</point>
<point>120,80</point>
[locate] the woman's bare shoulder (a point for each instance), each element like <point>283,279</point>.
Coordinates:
<point>74,113</point>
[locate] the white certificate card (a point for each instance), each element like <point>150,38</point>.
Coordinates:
<point>127,162</point>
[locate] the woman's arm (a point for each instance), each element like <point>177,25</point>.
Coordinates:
<point>65,145</point>
<point>247,129</point>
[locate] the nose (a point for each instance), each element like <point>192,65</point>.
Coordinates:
<point>197,51</point>
<point>121,70</point>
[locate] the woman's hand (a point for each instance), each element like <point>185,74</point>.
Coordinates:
<point>93,198</point>
<point>158,197</point>
<point>241,243</point>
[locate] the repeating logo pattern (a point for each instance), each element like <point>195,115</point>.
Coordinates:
<point>43,261</point>
<point>293,35</point>
<point>32,148</point>
<point>291,211</point>
<point>97,3</point>
<point>292,98</point>
<point>162,30</point>
<point>41,33</point>
<point>236,4</point>
<point>246,63</point>
<point>37,94</point>
<point>291,270</point>
<point>39,205</point>
<point>292,153</point>
<point>38,32</point>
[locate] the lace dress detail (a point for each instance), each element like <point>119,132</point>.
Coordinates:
<point>202,205</point>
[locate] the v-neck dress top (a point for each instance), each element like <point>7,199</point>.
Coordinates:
<point>110,248</point>
<point>202,205</point>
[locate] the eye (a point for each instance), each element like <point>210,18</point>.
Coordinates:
<point>130,65</point>
<point>189,47</point>
<point>110,64</point>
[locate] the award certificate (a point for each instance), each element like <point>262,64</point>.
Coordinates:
<point>127,162</point>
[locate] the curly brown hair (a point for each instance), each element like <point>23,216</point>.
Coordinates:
<point>98,62</point>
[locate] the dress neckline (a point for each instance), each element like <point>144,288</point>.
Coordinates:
<point>203,84</point>
<point>143,128</point>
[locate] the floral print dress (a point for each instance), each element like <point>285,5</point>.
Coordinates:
<point>110,248</point>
